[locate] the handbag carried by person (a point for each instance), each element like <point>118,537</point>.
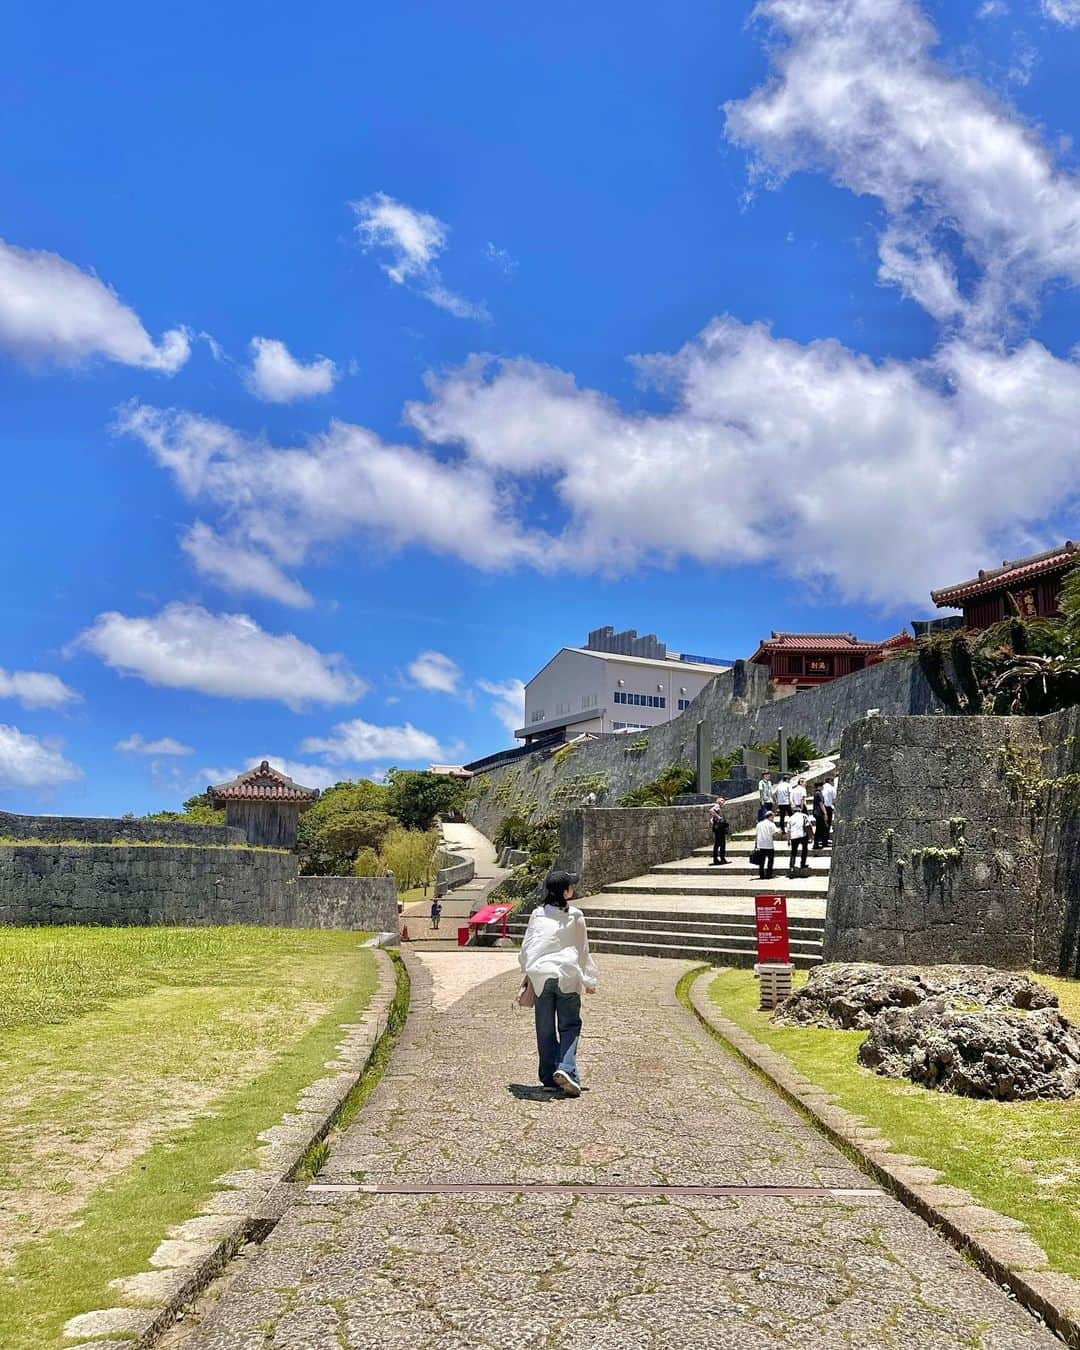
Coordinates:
<point>755,858</point>
<point>526,995</point>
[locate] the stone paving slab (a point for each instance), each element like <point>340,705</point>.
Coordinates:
<point>665,1105</point>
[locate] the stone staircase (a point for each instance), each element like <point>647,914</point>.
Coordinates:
<point>692,911</point>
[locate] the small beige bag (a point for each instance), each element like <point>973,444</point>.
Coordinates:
<point>526,995</point>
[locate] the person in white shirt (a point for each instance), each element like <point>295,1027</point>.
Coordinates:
<point>828,793</point>
<point>798,795</point>
<point>799,834</point>
<point>765,845</point>
<point>765,790</point>
<point>556,961</point>
<point>782,796</point>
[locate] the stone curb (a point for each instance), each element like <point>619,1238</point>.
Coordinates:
<point>248,1203</point>
<point>1000,1246</point>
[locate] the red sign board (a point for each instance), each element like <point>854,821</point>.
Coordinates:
<point>770,915</point>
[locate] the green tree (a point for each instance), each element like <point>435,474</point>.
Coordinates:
<point>368,864</point>
<point>331,831</point>
<point>416,796</point>
<point>513,832</point>
<point>410,855</point>
<point>347,834</point>
<point>196,811</point>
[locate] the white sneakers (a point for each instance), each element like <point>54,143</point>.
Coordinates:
<point>566,1083</point>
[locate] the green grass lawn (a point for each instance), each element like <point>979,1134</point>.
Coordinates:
<point>1019,1158</point>
<point>137,1064</point>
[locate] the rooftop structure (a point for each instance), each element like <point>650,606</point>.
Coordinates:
<point>265,803</point>
<point>1032,585</point>
<point>616,682</point>
<point>802,660</point>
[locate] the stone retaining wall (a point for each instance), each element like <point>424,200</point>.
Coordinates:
<point>457,872</point>
<point>158,884</point>
<point>104,829</point>
<point>365,903</point>
<point>957,841</point>
<point>738,709</point>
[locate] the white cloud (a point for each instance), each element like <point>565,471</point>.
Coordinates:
<point>36,689</point>
<point>28,762</point>
<point>508,704</point>
<point>278,377</point>
<point>360,742</point>
<point>226,655</point>
<point>435,671</point>
<point>503,260</point>
<point>1062,11</point>
<point>855,92</point>
<point>413,239</point>
<point>993,9</point>
<point>238,567</point>
<point>51,310</point>
<point>137,744</point>
<point>281,503</point>
<point>939,452</point>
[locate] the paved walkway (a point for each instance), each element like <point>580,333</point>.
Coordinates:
<point>457,904</point>
<point>666,1107</point>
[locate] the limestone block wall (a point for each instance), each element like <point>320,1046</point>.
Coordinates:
<point>737,708</point>
<point>158,884</point>
<point>153,884</point>
<point>365,903</point>
<point>1057,799</point>
<point>937,854</point>
<point>104,829</point>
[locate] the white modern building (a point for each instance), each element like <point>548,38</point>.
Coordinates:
<point>616,682</point>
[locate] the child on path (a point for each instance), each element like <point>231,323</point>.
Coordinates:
<point>436,914</point>
<point>556,961</point>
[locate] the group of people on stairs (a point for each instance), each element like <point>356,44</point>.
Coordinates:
<point>784,812</point>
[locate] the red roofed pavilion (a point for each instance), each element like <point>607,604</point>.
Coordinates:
<point>802,660</point>
<point>265,803</point>
<point>1034,583</point>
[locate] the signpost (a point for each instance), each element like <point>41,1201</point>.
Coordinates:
<point>770,917</point>
<point>774,957</point>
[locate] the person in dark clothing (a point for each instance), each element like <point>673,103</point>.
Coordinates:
<point>821,821</point>
<point>436,914</point>
<point>719,824</point>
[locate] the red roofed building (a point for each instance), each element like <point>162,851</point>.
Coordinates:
<point>1034,584</point>
<point>801,660</point>
<point>265,804</point>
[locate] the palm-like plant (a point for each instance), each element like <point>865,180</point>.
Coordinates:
<point>1020,665</point>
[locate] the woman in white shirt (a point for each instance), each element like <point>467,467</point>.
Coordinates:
<point>555,958</point>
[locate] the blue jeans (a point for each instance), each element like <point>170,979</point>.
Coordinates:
<point>557,1050</point>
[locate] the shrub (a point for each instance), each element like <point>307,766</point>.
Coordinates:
<point>513,832</point>
<point>674,781</point>
<point>367,864</point>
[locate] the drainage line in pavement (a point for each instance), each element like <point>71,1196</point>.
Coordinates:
<point>584,1188</point>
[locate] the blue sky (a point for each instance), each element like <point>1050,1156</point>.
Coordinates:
<point>351,362</point>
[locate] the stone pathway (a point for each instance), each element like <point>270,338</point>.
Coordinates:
<point>534,1265</point>
<point>458,904</point>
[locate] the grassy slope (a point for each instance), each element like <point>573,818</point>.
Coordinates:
<point>1020,1158</point>
<point>254,1012</point>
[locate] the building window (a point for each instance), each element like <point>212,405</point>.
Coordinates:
<point>629,726</point>
<point>588,701</point>
<point>537,716</point>
<point>684,703</point>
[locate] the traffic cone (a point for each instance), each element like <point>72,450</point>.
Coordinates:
<point>405,932</point>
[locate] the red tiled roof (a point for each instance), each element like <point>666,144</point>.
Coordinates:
<point>827,642</point>
<point>262,784</point>
<point>1008,574</point>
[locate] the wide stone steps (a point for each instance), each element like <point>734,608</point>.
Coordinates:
<point>718,939</point>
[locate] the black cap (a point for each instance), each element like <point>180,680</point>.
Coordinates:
<point>558,881</point>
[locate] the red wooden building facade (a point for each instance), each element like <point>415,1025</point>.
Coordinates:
<point>1033,583</point>
<point>803,660</point>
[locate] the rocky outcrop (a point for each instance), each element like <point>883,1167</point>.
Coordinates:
<point>849,996</point>
<point>1007,1054</point>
